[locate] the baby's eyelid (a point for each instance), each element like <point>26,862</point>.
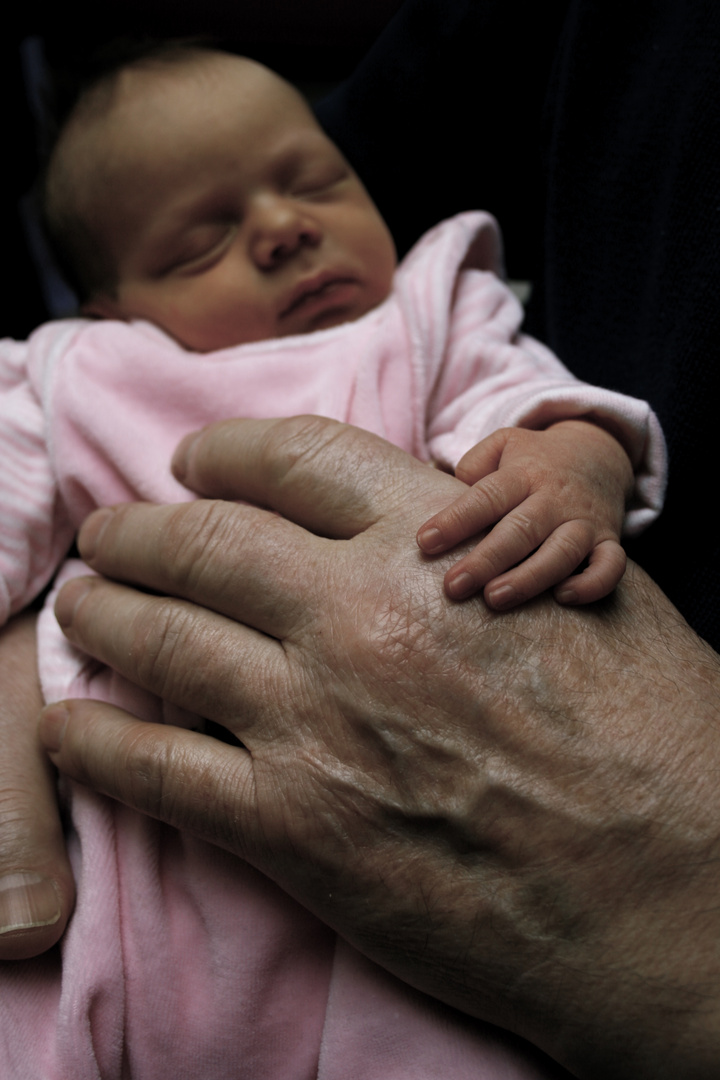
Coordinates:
<point>205,258</point>
<point>323,183</point>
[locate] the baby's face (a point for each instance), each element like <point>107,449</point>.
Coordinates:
<point>229,216</point>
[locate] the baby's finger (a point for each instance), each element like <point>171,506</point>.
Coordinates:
<point>500,569</point>
<point>476,509</point>
<point>561,553</point>
<point>513,539</point>
<point>483,458</point>
<point>605,568</point>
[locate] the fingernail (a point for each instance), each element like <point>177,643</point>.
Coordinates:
<point>430,541</point>
<point>26,901</point>
<point>460,587</point>
<point>566,596</point>
<point>92,529</point>
<point>68,599</point>
<point>503,597</point>
<point>53,722</point>
<point>181,457</point>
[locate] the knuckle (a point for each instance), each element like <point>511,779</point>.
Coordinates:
<point>524,529</point>
<point>187,658</point>
<point>619,559</point>
<point>461,515</point>
<point>297,441</point>
<point>304,448</point>
<point>493,492</point>
<point>198,553</point>
<point>572,544</point>
<point>194,533</point>
<point>147,764</point>
<point>18,818</point>
<point>612,555</point>
<point>486,493</point>
<point>159,643</point>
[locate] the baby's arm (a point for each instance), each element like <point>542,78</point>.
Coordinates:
<point>553,499</point>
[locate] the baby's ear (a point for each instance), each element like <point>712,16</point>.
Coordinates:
<point>102,307</point>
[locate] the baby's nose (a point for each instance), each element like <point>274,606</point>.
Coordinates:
<point>281,230</point>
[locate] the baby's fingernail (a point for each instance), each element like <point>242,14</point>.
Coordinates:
<point>91,531</point>
<point>181,457</point>
<point>502,597</point>
<point>27,901</point>
<point>430,541</point>
<point>566,596</point>
<point>68,599</point>
<point>460,587</point>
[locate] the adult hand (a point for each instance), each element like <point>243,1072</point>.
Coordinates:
<point>36,884</point>
<point>517,813</point>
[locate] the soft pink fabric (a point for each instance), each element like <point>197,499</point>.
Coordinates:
<point>180,961</point>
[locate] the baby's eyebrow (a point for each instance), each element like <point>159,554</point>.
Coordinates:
<point>187,213</point>
<point>297,146</point>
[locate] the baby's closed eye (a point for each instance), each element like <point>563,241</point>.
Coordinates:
<point>200,248</point>
<point>319,180</point>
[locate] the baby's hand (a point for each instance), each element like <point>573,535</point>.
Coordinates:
<point>555,498</point>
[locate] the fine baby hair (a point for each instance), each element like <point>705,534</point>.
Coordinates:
<point>78,98</point>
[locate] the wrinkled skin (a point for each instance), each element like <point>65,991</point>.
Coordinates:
<point>37,891</point>
<point>517,813</point>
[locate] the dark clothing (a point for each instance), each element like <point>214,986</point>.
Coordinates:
<point>598,150</point>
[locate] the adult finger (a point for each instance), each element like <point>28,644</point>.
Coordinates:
<point>397,800</point>
<point>247,563</point>
<point>185,654</point>
<point>188,780</point>
<point>215,553</point>
<point>331,478</point>
<point>37,891</point>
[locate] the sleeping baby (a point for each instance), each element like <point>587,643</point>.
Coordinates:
<point>230,263</point>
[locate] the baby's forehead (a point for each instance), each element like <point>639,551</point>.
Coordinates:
<point>219,80</point>
<point>203,105</point>
<point>157,122</point>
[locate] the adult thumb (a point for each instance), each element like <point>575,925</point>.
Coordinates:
<point>37,892</point>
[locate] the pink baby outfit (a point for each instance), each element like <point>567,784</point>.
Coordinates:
<point>181,962</point>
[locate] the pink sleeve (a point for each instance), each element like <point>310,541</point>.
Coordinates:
<point>494,377</point>
<point>34,530</point>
